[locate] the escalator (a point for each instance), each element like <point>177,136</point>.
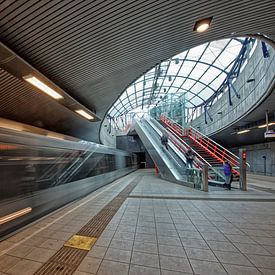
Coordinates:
<point>171,163</point>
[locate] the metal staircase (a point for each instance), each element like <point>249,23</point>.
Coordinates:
<point>207,150</point>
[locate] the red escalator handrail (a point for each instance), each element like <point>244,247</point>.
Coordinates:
<point>213,148</point>
<point>179,136</point>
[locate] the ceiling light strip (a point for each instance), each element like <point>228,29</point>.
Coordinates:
<point>42,86</point>
<point>243,131</point>
<point>84,114</point>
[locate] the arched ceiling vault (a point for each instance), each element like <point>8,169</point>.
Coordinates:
<point>93,50</point>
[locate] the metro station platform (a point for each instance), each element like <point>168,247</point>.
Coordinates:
<point>141,224</point>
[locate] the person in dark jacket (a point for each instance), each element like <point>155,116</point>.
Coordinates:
<point>164,140</point>
<point>227,169</point>
<point>189,158</point>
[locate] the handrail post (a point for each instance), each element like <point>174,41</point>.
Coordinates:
<point>204,186</point>
<point>243,181</point>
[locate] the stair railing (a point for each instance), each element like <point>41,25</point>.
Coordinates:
<point>212,147</point>
<point>182,146</point>
<point>179,132</point>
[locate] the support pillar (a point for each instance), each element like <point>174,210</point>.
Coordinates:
<point>243,181</point>
<point>204,186</point>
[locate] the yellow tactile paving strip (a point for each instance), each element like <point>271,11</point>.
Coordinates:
<point>81,242</point>
<point>68,258</point>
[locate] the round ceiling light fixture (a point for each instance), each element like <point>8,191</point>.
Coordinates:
<point>203,24</point>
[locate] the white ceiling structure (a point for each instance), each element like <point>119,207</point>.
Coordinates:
<point>94,50</point>
<point>197,74</point>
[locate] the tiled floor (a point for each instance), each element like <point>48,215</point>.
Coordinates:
<point>156,235</point>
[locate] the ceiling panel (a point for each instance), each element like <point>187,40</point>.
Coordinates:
<point>95,49</point>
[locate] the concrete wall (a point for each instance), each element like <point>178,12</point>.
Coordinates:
<point>130,143</point>
<point>133,144</point>
<point>258,68</point>
<point>255,158</point>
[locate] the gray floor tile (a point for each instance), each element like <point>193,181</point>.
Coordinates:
<point>231,230</point>
<point>205,267</point>
<point>126,228</point>
<point>146,224</point>
<point>40,254</point>
<point>118,255</point>
<point>146,230</point>
<point>264,240</point>
<point>113,268</point>
<point>169,240</point>
<point>5,244</point>
<point>7,261</point>
<point>24,267</point>
<point>144,259</point>
<point>142,270</point>
<point>194,243</point>
<point>232,258</point>
<point>169,272</point>
<point>97,252</point>
<point>89,265</point>
<point>266,271</point>
<point>263,261</point>
<point>103,241</point>
<point>20,251</point>
<point>222,246</point>
<point>122,244</point>
<point>240,239</point>
<point>175,264</point>
<point>52,244</point>
<point>252,249</point>
<point>241,270</point>
<point>124,235</point>
<point>200,254</point>
<point>140,237</point>
<point>206,228</point>
<point>209,236</point>
<point>168,250</point>
<point>145,247</point>
<point>189,234</point>
<point>77,272</point>
<point>167,232</point>
<point>108,233</point>
<point>270,249</point>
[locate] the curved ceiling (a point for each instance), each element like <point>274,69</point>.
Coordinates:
<point>195,74</point>
<point>94,49</point>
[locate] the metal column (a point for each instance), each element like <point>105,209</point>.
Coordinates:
<point>204,186</point>
<point>243,181</point>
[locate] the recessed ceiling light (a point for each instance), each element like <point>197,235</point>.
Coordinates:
<point>42,86</point>
<point>243,131</point>
<point>84,114</point>
<point>203,24</point>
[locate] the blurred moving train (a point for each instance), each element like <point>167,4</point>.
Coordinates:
<point>41,171</point>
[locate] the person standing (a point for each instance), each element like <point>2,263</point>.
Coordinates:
<point>164,140</point>
<point>189,158</point>
<point>227,169</point>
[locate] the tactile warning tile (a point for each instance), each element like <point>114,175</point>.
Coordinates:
<point>68,258</point>
<point>81,242</point>
<point>64,262</point>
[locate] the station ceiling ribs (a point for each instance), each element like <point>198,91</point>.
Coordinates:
<point>95,49</point>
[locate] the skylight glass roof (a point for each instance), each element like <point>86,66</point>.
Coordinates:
<point>198,73</point>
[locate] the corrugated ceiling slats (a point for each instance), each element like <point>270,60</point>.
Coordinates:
<point>95,49</point>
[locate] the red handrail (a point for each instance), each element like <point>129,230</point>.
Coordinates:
<point>211,147</point>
